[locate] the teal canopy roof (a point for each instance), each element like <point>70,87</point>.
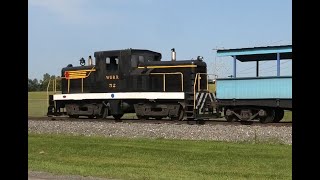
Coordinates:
<point>258,53</point>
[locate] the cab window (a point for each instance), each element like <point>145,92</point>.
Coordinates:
<point>136,60</point>
<point>112,63</point>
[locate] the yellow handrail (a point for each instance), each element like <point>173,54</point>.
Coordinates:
<point>91,70</point>
<point>194,91</point>
<point>48,91</point>
<point>198,78</point>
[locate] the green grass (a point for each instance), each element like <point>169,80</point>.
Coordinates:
<point>158,158</point>
<point>287,116</point>
<point>37,103</point>
<point>212,87</point>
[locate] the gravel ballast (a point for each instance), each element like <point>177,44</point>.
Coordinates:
<point>234,133</point>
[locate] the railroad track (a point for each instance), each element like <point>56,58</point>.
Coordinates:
<point>219,121</point>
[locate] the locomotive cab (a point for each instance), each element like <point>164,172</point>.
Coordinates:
<point>115,67</point>
<point>109,74</point>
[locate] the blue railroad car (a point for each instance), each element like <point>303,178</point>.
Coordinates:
<point>249,98</point>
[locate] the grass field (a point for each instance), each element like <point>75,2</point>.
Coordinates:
<point>37,103</point>
<point>158,158</point>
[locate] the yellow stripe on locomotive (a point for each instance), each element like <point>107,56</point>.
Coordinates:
<point>79,74</point>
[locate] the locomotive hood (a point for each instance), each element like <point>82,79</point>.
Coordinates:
<point>173,63</point>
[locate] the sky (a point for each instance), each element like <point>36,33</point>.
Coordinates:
<point>60,32</point>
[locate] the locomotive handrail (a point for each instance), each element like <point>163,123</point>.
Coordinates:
<point>91,70</point>
<point>48,91</point>
<point>164,79</point>
<point>54,83</point>
<point>64,77</point>
<point>198,78</point>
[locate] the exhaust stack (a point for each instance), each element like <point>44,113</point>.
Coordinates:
<point>90,63</point>
<point>173,55</point>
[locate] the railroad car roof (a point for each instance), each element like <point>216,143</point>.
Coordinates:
<point>262,53</point>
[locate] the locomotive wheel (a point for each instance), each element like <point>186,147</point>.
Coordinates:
<point>180,116</point>
<point>104,113</point>
<point>269,117</point>
<point>279,113</point>
<point>118,116</point>
<point>230,118</point>
<point>91,117</point>
<point>74,116</point>
<point>141,117</point>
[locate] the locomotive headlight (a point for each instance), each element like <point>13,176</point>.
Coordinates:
<point>82,62</point>
<point>200,58</point>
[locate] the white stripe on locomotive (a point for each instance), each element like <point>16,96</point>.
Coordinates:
<point>121,95</point>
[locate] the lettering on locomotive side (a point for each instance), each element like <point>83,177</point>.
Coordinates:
<point>112,77</point>
<point>112,85</point>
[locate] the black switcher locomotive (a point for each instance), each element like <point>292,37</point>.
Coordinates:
<point>135,81</point>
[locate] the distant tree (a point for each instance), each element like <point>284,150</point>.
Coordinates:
<point>57,80</point>
<point>42,85</point>
<point>44,82</point>
<point>33,85</point>
<point>58,83</point>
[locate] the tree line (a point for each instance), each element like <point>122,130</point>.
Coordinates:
<point>42,84</point>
